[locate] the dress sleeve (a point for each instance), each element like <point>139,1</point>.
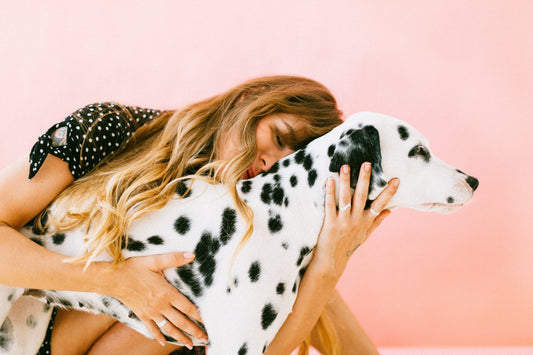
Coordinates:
<point>89,135</point>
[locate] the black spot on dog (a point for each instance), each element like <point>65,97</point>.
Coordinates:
<point>39,227</point>
<point>450,200</point>
<point>404,133</point>
<point>280,288</point>
<point>275,224</point>
<point>308,162</point>
<point>286,162</point>
<point>10,297</point>
<point>105,302</point>
<point>286,202</point>
<point>132,315</point>
<point>65,302</point>
<point>299,156</point>
<point>229,224</point>
<point>6,335</point>
<point>187,275</point>
<point>311,177</point>
<point>58,238</point>
<point>266,194</point>
<point>331,150</point>
<point>293,180</point>
<point>302,271</point>
<point>278,194</point>
<point>303,253</point>
<point>277,178</point>
<point>135,245</point>
<point>31,322</point>
<point>243,350</point>
<point>156,240</point>
<point>255,271</point>
<point>246,186</point>
<point>363,146</point>
<point>204,252</point>
<point>268,315</point>
<point>265,348</point>
<point>285,245</point>
<point>183,190</point>
<point>235,282</point>
<point>294,287</point>
<point>182,225</point>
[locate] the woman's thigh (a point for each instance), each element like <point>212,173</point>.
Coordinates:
<point>121,339</point>
<point>75,331</point>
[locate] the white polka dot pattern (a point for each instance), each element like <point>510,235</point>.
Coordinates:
<point>92,133</point>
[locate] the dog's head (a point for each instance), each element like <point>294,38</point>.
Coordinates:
<point>397,150</point>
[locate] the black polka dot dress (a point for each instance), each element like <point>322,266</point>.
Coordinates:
<point>89,135</point>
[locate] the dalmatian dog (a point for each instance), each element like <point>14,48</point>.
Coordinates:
<point>244,304</point>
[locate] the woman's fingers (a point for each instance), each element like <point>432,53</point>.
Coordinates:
<point>361,190</point>
<point>166,261</point>
<point>165,302</point>
<point>345,193</point>
<point>384,197</point>
<point>178,323</point>
<point>154,330</point>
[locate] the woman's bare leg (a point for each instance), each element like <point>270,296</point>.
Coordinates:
<point>121,339</point>
<point>351,336</point>
<point>75,331</point>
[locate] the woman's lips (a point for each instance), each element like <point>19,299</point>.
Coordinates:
<point>249,174</point>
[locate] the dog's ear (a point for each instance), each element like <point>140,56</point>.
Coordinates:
<point>355,147</point>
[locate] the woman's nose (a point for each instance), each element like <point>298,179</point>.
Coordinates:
<point>267,162</point>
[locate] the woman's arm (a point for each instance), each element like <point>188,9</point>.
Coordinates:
<point>351,337</point>
<point>343,231</point>
<point>24,263</point>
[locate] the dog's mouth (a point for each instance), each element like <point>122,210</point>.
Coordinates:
<point>442,207</point>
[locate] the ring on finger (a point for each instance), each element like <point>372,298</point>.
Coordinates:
<point>347,206</point>
<point>374,212</point>
<point>161,323</point>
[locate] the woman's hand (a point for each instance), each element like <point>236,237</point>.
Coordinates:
<point>139,284</point>
<point>345,229</point>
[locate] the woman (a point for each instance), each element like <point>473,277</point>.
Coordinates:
<point>231,136</point>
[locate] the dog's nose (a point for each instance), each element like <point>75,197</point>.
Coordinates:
<point>473,182</point>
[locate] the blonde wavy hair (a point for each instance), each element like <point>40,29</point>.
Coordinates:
<point>184,145</point>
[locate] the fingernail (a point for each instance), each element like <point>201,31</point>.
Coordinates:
<point>188,255</point>
<point>204,340</point>
<point>346,169</point>
<point>162,343</point>
<point>367,166</point>
<point>396,183</point>
<point>188,346</point>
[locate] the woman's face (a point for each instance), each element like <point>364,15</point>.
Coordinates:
<point>271,137</point>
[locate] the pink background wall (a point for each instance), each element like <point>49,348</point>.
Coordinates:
<point>460,71</point>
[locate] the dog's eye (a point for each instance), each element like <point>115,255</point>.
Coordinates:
<point>420,151</point>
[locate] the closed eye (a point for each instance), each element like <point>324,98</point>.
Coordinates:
<point>278,140</point>
<point>419,151</point>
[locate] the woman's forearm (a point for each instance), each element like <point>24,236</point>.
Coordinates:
<point>314,293</point>
<point>24,263</point>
